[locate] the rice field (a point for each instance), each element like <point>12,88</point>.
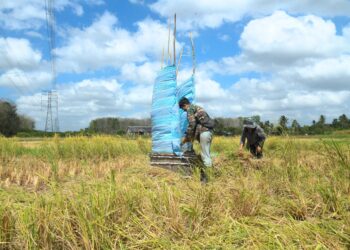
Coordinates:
<point>101,193</point>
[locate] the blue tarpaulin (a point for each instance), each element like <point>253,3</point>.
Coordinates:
<point>165,114</point>
<point>169,122</point>
<point>186,89</point>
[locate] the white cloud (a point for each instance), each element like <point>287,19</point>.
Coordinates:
<point>22,67</point>
<point>315,99</point>
<point>224,37</point>
<point>139,97</point>
<point>18,53</point>
<point>78,103</point>
<point>285,39</point>
<point>210,94</point>
<point>27,80</point>
<point>212,14</point>
<point>81,102</point>
<point>207,90</point>
<point>89,99</point>
<point>35,34</point>
<point>304,51</point>
<point>24,14</point>
<point>272,98</point>
<point>301,62</point>
<point>205,13</point>
<point>269,98</point>
<point>105,44</point>
<point>140,74</point>
<point>346,32</point>
<point>327,74</point>
<point>302,66</point>
<point>230,65</point>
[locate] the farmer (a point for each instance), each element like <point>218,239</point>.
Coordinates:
<point>255,138</point>
<point>200,127</point>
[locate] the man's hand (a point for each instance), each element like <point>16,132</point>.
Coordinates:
<point>183,140</point>
<point>258,149</point>
<point>240,151</point>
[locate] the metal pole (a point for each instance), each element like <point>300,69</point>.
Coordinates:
<point>174,39</point>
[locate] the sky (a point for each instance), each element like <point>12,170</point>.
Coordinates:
<point>261,57</point>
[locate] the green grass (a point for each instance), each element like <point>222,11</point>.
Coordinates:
<point>101,193</point>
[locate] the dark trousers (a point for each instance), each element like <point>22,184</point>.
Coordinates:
<point>252,149</point>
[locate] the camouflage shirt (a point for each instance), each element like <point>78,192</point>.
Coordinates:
<point>196,118</point>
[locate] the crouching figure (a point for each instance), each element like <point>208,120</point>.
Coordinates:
<point>255,137</point>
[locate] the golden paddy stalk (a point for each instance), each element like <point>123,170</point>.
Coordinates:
<point>101,193</point>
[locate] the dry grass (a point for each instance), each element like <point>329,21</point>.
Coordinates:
<point>101,193</point>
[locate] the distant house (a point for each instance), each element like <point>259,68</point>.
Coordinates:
<point>139,130</point>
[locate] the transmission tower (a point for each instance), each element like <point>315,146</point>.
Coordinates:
<point>52,122</point>
<point>49,102</point>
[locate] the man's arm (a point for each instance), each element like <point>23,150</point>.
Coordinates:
<point>243,138</point>
<point>191,125</point>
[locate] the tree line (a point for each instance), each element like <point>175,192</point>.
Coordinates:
<point>317,127</point>
<point>231,126</point>
<point>228,126</point>
<point>113,125</point>
<point>10,122</point>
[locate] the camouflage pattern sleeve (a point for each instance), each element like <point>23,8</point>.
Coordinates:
<point>201,115</point>
<point>191,129</point>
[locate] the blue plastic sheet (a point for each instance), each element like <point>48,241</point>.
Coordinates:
<point>186,89</point>
<point>165,114</point>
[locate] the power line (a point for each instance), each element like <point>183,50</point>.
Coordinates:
<point>51,26</point>
<point>17,73</point>
<point>52,122</point>
<point>16,87</point>
<point>23,79</point>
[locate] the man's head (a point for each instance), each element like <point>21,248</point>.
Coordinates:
<point>249,124</point>
<point>184,103</point>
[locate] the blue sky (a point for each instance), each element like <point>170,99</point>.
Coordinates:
<point>259,57</point>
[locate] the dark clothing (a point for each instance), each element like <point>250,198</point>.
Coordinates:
<point>198,122</point>
<point>252,150</point>
<point>255,137</point>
